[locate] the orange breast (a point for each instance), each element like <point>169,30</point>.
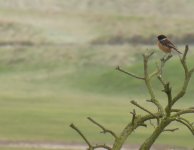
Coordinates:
<point>164,48</point>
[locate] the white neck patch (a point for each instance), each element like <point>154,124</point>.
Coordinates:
<point>163,39</point>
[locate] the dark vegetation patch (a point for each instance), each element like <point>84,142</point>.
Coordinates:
<point>139,39</point>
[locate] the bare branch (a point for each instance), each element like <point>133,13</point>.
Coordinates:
<point>186,123</point>
<point>128,73</point>
<point>175,110</point>
<point>144,109</point>
<point>161,80</point>
<point>152,124</point>
<point>191,71</point>
<point>103,128</point>
<point>146,76</point>
<point>183,111</point>
<point>81,134</point>
<point>133,116</point>
<point>102,146</point>
<point>171,130</point>
<point>148,55</point>
<point>168,91</point>
<point>148,84</point>
<point>153,74</point>
<point>185,52</point>
<point>164,60</point>
<point>188,74</point>
<point>166,85</point>
<point>158,71</point>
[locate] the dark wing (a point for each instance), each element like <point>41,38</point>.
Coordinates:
<point>169,44</point>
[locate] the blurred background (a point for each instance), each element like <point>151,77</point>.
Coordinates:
<point>57,66</point>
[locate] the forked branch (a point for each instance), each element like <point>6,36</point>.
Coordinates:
<point>186,123</point>
<point>164,116</point>
<point>104,130</point>
<point>148,83</point>
<point>188,74</point>
<point>82,135</point>
<point>90,146</point>
<point>142,108</point>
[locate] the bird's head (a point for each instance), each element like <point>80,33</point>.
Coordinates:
<point>161,37</point>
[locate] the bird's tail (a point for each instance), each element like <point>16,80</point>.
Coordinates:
<point>176,51</point>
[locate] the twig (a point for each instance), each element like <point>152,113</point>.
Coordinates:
<point>161,80</point>
<point>168,91</point>
<point>128,73</point>
<point>175,110</point>
<point>148,55</point>
<point>133,116</point>
<point>160,68</point>
<point>188,74</point>
<point>153,125</point>
<point>103,128</point>
<point>166,85</point>
<point>82,135</point>
<point>158,71</point>
<point>139,106</point>
<point>171,130</point>
<point>186,123</point>
<point>146,76</point>
<point>182,112</point>
<point>164,60</point>
<point>88,143</point>
<point>102,146</point>
<point>148,84</point>
<point>185,53</point>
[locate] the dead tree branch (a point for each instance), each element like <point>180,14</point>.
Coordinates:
<point>128,73</point>
<point>142,108</point>
<point>182,112</point>
<point>186,123</point>
<point>104,130</point>
<point>102,146</point>
<point>90,147</point>
<point>171,130</point>
<point>148,83</point>
<point>133,116</point>
<point>164,115</point>
<point>82,135</point>
<point>188,74</point>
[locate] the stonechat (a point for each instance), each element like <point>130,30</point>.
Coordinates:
<point>166,45</point>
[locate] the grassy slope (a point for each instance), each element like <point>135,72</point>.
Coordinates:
<point>45,88</point>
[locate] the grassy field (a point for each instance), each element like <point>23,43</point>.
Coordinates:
<point>57,66</point>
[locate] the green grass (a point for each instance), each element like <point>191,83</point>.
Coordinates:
<point>44,92</point>
<point>40,97</point>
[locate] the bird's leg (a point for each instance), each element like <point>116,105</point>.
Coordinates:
<point>163,58</point>
<point>170,55</point>
<point>166,56</point>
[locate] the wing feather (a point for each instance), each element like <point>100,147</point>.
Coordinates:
<point>169,44</point>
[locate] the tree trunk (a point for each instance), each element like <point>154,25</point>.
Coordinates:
<point>150,141</point>
<point>122,138</point>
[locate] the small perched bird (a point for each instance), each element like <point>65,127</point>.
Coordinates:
<point>166,45</point>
